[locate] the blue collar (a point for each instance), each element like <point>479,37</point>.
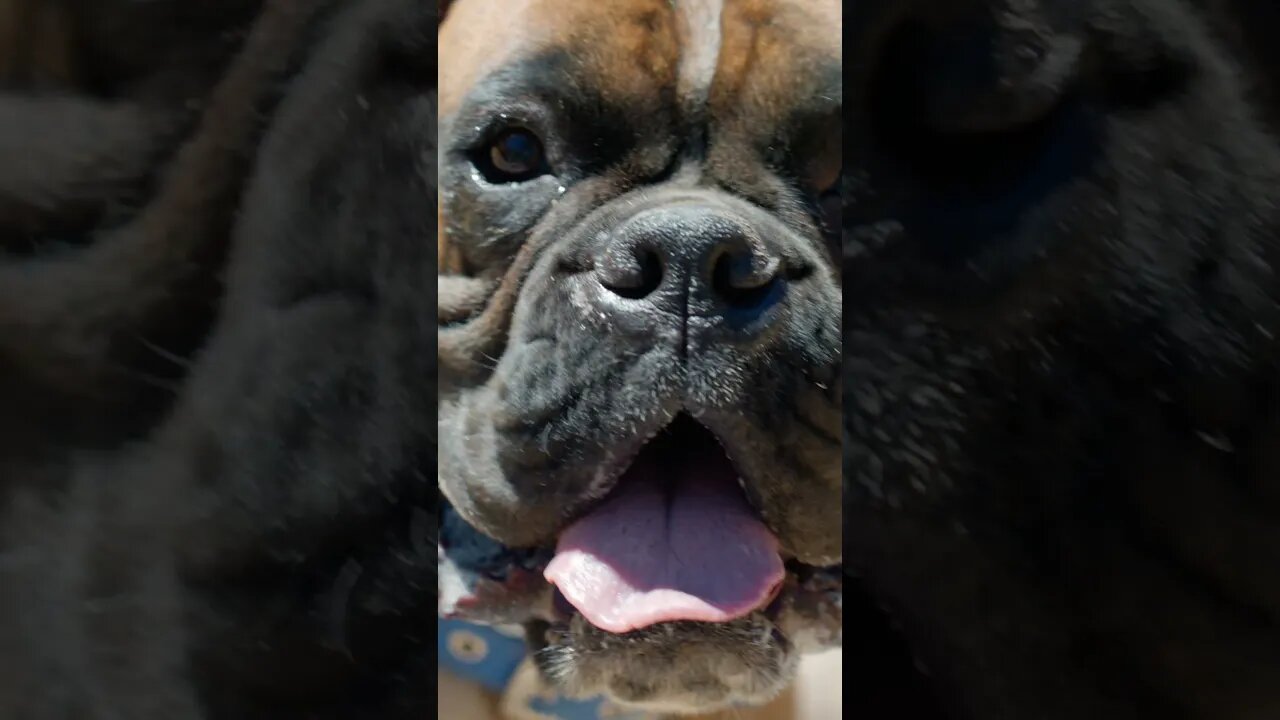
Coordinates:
<point>491,657</point>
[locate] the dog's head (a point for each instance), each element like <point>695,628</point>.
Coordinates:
<point>646,194</point>
<point>1058,328</point>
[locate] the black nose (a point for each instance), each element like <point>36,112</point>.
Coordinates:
<point>680,257</point>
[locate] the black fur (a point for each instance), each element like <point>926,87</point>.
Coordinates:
<point>268,551</point>
<point>1059,361</point>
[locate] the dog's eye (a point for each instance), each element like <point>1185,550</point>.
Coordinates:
<point>957,116</point>
<point>516,153</point>
<point>513,156</point>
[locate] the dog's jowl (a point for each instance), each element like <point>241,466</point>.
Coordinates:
<point>640,335</point>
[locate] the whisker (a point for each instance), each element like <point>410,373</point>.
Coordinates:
<point>178,360</point>
<point>156,381</point>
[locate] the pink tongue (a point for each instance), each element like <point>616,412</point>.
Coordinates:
<point>649,554</point>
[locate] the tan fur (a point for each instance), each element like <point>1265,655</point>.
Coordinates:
<point>641,56</point>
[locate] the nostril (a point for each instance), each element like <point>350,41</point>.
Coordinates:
<point>633,275</point>
<point>744,279</point>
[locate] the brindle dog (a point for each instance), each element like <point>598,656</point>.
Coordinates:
<point>642,183</point>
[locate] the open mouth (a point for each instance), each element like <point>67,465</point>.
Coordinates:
<point>676,539</point>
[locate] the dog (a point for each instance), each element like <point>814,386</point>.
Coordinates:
<point>642,187</point>
<point>129,584</point>
<point>1059,356</point>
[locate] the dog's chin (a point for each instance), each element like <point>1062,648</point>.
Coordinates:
<point>694,667</point>
<point>662,659</point>
<point>679,667</point>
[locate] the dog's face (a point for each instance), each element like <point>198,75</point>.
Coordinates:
<point>1057,301</point>
<point>650,185</point>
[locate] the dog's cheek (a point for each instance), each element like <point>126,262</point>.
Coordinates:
<point>570,375</point>
<point>781,411</point>
<point>485,224</point>
<point>547,379</point>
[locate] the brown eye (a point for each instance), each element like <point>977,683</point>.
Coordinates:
<point>515,155</point>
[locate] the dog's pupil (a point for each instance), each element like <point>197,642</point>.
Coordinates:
<point>516,152</point>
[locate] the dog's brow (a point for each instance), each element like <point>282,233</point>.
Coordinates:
<point>550,77</point>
